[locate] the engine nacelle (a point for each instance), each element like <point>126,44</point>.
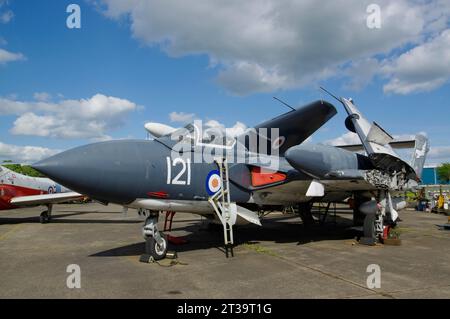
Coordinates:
<point>325,161</point>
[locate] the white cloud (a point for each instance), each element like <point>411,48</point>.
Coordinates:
<point>86,118</point>
<point>32,124</point>
<point>6,56</point>
<point>181,117</point>
<point>243,77</point>
<point>24,154</point>
<point>423,68</point>
<point>42,96</point>
<point>266,45</point>
<point>6,17</point>
<point>438,154</point>
<point>361,72</point>
<point>348,138</point>
<point>237,129</point>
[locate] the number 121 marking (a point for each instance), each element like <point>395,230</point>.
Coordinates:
<point>178,179</point>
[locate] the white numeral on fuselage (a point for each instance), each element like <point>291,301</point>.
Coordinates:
<point>178,179</point>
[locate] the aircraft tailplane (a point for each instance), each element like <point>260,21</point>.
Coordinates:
<point>421,150</point>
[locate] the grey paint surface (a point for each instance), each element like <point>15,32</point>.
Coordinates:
<point>296,126</point>
<point>121,171</point>
<point>125,170</point>
<point>320,160</point>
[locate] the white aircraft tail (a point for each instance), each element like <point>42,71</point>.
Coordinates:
<point>376,142</point>
<point>422,147</point>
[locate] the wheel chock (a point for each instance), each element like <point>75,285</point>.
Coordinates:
<point>148,259</point>
<point>145,258</point>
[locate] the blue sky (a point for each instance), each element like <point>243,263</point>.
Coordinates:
<point>153,58</point>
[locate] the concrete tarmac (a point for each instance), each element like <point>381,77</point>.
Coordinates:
<point>282,259</point>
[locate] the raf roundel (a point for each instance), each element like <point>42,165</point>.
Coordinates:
<point>213,182</point>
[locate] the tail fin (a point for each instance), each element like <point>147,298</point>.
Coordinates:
<point>420,154</point>
<point>296,126</point>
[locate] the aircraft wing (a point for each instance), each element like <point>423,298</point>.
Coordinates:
<point>302,191</point>
<point>297,125</point>
<point>395,144</point>
<point>36,200</point>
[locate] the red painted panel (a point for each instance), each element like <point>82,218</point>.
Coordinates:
<point>265,177</point>
<point>158,194</point>
<point>7,192</point>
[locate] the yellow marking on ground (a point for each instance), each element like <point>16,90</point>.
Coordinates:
<point>15,227</point>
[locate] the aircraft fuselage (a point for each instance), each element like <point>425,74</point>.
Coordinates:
<point>13,184</point>
<point>148,174</point>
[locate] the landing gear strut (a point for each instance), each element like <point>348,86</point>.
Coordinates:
<point>155,241</point>
<point>374,223</point>
<point>304,210</point>
<point>46,215</point>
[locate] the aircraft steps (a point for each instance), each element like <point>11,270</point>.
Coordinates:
<point>226,210</point>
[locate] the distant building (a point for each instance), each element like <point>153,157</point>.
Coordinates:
<point>430,176</point>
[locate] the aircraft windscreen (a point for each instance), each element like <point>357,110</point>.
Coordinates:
<point>216,136</point>
<point>211,136</point>
<point>185,134</point>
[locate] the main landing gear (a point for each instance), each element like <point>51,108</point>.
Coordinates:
<point>46,216</point>
<point>305,213</point>
<point>378,224</point>
<point>156,243</point>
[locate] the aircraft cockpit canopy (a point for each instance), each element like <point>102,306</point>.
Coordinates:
<point>202,136</point>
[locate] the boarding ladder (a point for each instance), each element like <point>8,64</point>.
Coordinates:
<point>226,210</point>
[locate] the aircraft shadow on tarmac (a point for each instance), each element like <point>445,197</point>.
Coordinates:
<point>62,219</point>
<point>283,229</point>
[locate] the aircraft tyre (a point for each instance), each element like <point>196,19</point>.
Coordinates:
<point>44,218</point>
<point>152,248</point>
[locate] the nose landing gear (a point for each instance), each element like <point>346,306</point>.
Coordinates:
<point>156,243</point>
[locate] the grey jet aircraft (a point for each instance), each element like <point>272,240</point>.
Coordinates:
<point>238,182</point>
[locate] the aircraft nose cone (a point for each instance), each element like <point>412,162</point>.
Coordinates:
<point>78,169</point>
<point>56,167</point>
<point>108,171</point>
<point>52,167</point>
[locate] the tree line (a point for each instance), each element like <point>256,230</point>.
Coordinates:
<point>22,169</point>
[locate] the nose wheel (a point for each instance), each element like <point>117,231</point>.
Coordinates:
<point>157,250</point>
<point>156,243</point>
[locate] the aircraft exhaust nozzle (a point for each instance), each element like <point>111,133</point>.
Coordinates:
<point>158,129</point>
<point>370,207</point>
